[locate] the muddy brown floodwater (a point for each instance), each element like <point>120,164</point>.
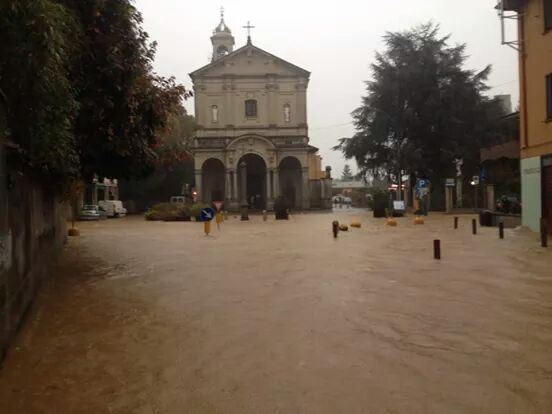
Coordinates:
<point>278,317</point>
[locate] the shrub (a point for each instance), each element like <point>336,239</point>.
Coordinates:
<point>281,206</point>
<point>173,212</point>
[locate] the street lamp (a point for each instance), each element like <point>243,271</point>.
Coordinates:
<point>474,185</point>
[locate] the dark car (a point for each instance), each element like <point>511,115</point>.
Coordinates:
<point>509,204</point>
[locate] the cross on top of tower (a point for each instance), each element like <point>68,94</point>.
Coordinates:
<point>248,27</point>
<point>222,12</point>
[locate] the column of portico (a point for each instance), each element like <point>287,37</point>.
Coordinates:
<point>227,188</point>
<point>269,196</point>
<point>198,185</point>
<point>306,190</point>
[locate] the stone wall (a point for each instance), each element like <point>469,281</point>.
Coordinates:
<point>321,194</point>
<point>32,231</point>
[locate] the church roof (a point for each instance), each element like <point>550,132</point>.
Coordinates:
<point>249,46</point>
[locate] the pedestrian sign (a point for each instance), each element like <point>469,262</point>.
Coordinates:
<point>207,214</point>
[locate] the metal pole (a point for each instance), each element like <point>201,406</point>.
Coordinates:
<point>437,249</point>
<point>335,228</point>
<point>543,232</point>
<point>474,226</point>
<point>455,223</point>
<point>501,230</point>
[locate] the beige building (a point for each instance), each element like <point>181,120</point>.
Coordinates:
<point>251,111</point>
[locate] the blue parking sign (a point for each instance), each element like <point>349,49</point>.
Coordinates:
<point>422,183</point>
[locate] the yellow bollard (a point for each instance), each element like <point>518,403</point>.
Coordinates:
<point>207,227</point>
<point>218,219</point>
<point>391,222</point>
<point>356,224</point>
<point>73,231</point>
<point>343,227</point>
<point>418,220</point>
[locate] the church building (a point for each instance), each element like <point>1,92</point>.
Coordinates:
<point>252,142</point>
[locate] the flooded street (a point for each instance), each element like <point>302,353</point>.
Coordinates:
<point>278,317</point>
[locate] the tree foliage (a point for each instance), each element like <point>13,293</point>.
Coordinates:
<point>34,76</point>
<point>347,174</point>
<point>422,109</point>
<point>82,96</point>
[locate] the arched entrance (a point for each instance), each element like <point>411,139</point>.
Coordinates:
<point>212,172</point>
<point>290,181</point>
<point>255,190</point>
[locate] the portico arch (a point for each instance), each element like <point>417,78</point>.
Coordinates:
<point>290,177</point>
<point>255,180</point>
<point>213,180</point>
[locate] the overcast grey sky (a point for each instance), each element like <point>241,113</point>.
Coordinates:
<point>335,41</point>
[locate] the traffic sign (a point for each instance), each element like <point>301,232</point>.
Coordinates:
<point>207,214</point>
<point>422,183</point>
<point>475,180</point>
<point>218,204</point>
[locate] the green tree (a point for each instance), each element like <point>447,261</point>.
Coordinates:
<point>421,110</point>
<point>173,167</point>
<point>36,52</point>
<point>82,98</point>
<point>123,104</point>
<point>347,174</point>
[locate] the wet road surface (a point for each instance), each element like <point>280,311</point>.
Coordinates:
<point>277,317</point>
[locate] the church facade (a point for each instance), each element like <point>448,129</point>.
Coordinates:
<point>252,142</point>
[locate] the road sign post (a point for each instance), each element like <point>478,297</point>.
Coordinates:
<point>207,214</point>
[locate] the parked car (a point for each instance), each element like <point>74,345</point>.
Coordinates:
<point>113,208</point>
<point>178,200</point>
<point>509,204</point>
<point>90,212</point>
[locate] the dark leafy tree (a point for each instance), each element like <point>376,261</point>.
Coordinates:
<point>35,58</point>
<point>82,98</point>
<point>122,103</point>
<point>422,109</point>
<point>173,166</point>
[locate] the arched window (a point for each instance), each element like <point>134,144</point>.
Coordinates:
<point>251,108</point>
<point>222,51</point>
<point>214,113</point>
<point>287,112</point>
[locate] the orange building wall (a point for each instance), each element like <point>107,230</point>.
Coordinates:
<point>538,64</point>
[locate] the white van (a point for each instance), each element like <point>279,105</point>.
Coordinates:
<point>113,208</point>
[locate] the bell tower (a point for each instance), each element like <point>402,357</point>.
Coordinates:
<point>222,39</point>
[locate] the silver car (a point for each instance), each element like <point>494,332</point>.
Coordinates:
<point>90,212</point>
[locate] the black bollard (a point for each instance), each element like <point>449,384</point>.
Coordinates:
<point>501,229</point>
<point>474,226</point>
<point>455,223</point>
<point>437,249</point>
<point>543,233</point>
<point>335,228</point>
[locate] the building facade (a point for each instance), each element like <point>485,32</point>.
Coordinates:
<point>534,44</point>
<point>252,142</point>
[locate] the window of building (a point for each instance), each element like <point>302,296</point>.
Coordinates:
<point>549,97</point>
<point>287,113</point>
<point>214,113</point>
<point>547,14</point>
<point>251,108</point>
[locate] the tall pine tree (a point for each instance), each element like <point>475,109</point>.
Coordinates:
<point>422,109</point>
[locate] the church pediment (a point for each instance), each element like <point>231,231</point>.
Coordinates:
<point>249,61</point>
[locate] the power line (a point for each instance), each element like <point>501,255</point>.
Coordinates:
<point>331,126</point>
<point>502,84</point>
